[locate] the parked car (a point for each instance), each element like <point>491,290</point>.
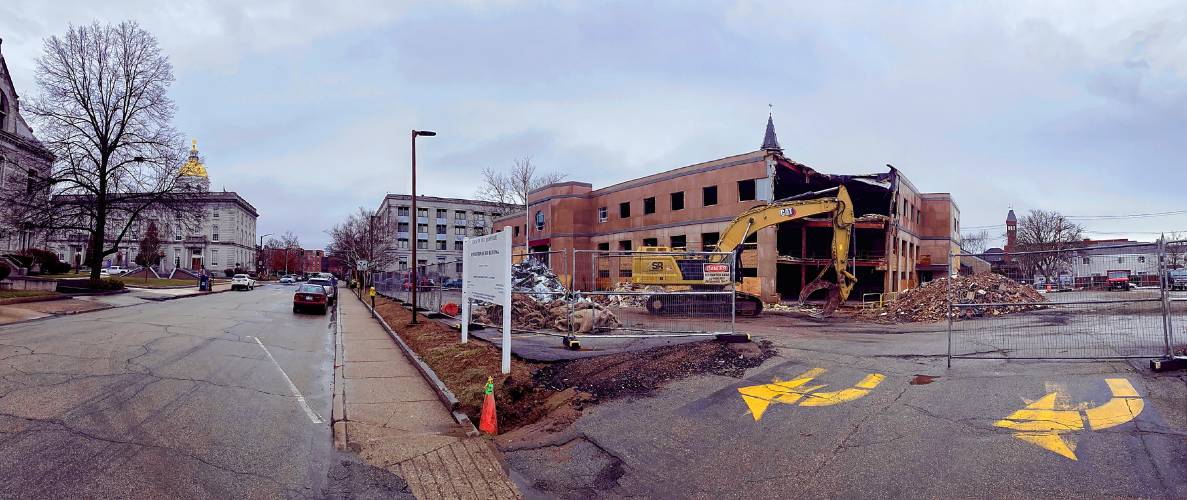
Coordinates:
<point>242,282</point>
<point>1118,280</point>
<point>331,291</point>
<point>310,296</point>
<point>452,283</point>
<point>1177,279</point>
<point>116,271</point>
<point>286,280</point>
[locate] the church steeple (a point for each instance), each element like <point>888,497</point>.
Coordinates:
<point>769,141</point>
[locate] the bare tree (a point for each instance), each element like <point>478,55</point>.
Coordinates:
<point>510,189</point>
<point>365,236</point>
<point>284,252</point>
<point>104,112</point>
<point>1054,237</point>
<point>1176,250</point>
<point>975,243</point>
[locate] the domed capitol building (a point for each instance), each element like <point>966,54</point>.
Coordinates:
<point>224,238</point>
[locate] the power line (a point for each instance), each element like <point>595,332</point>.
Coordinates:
<point>1126,216</point>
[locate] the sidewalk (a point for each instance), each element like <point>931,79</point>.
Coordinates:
<point>392,418</point>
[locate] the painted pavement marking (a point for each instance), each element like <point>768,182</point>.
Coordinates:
<point>313,416</point>
<point>1042,424</point>
<point>797,392</point>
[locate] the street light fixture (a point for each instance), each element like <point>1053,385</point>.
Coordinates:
<point>260,253</point>
<point>416,216</point>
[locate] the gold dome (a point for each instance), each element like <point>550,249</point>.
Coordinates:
<point>193,166</point>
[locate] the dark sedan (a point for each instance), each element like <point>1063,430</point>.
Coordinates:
<point>310,297</point>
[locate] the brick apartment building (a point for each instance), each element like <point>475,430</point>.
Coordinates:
<point>902,236</point>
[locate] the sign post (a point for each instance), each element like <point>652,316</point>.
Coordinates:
<point>486,276</point>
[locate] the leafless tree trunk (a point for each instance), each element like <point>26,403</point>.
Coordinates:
<point>104,112</point>
<point>1176,250</point>
<point>365,236</point>
<point>1053,236</point>
<point>975,243</point>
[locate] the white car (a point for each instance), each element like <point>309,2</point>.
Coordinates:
<point>116,271</point>
<point>286,280</point>
<point>242,282</point>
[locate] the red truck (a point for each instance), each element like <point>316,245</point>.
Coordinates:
<point>1118,280</point>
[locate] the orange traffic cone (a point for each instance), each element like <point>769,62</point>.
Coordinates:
<point>488,422</point>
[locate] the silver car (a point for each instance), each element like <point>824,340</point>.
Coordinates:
<point>331,291</point>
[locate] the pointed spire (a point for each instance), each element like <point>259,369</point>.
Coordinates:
<point>770,142</point>
<point>1010,217</point>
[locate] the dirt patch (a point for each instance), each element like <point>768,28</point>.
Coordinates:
<point>559,390</point>
<point>641,372</point>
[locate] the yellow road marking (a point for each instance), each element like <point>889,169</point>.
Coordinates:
<point>759,397</point>
<point>1041,424</point>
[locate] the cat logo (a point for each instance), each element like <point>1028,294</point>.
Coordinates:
<point>787,212</point>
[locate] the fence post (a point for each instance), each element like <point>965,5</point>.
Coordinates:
<point>948,309</point>
<point>1166,313</point>
<point>733,293</point>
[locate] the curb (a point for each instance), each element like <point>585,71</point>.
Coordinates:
<point>443,393</point>
<point>36,298</point>
<point>106,308</point>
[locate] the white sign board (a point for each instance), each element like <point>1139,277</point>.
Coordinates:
<point>717,274</point>
<point>486,276</point>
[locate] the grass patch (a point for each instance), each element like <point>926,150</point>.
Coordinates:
<point>157,283</point>
<point>14,294</point>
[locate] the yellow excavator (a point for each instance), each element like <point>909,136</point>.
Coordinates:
<point>712,272</point>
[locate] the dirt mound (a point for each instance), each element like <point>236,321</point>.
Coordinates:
<point>641,372</point>
<point>928,302</point>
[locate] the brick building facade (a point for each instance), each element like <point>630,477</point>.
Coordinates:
<point>902,235</point>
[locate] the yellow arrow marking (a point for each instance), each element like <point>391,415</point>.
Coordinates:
<point>1042,425</point>
<point>759,397</point>
<point>831,398</point>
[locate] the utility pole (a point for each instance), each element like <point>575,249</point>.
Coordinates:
<point>261,260</point>
<point>416,217</point>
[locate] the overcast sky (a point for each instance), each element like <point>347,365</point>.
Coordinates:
<point>305,108</point>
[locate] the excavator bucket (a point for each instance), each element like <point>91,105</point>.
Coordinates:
<point>832,300</point>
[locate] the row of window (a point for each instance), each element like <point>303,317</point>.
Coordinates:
<point>1120,260</point>
<point>457,266</point>
<point>747,191</point>
<point>402,227</point>
<point>708,242</point>
<point>403,243</point>
<point>442,213</point>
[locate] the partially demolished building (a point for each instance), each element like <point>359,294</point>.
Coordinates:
<point>902,236</point>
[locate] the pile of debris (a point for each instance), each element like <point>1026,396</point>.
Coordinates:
<point>536,279</point>
<point>928,302</point>
<point>629,300</point>
<point>528,314</point>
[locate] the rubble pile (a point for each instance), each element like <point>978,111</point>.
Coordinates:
<point>629,300</point>
<point>535,279</point>
<point>927,303</point>
<point>529,314</point>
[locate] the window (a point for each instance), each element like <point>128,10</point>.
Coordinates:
<point>457,245</point>
<point>709,195</point>
<point>214,232</point>
<point>605,247</point>
<point>403,265</point>
<point>1120,260</point>
<point>442,213</point>
<point>746,190</point>
<point>402,227</point>
<point>440,228</point>
<point>402,211</point>
<point>402,243</point>
<point>602,214</point>
<point>442,245</point>
<point>459,230</point>
<point>177,237</point>
<point>624,209</point>
<point>30,181</point>
<point>422,212</point>
<point>459,215</point>
<point>1142,258</point>
<point>539,220</point>
<point>215,213</point>
<point>625,273</point>
<point>3,111</point>
<point>479,217</point>
<point>479,231</point>
<point>679,241</point>
<point>214,258</point>
<point>1087,260</point>
<point>650,242</point>
<point>422,245</point>
<point>624,245</point>
<point>515,231</point>
<point>709,241</point>
<point>422,228</point>
<point>648,205</point>
<point>678,201</point>
<point>457,268</point>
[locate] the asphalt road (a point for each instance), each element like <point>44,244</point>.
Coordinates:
<point>904,436</point>
<point>221,396</point>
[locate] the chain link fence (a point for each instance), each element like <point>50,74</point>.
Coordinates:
<point>1093,302</point>
<point>590,293</point>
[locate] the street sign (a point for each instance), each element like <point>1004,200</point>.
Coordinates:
<point>486,276</point>
<point>362,264</point>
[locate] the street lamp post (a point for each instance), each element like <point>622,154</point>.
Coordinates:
<point>260,259</point>
<point>416,217</point>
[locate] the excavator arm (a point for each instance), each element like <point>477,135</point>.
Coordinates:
<point>841,208</point>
